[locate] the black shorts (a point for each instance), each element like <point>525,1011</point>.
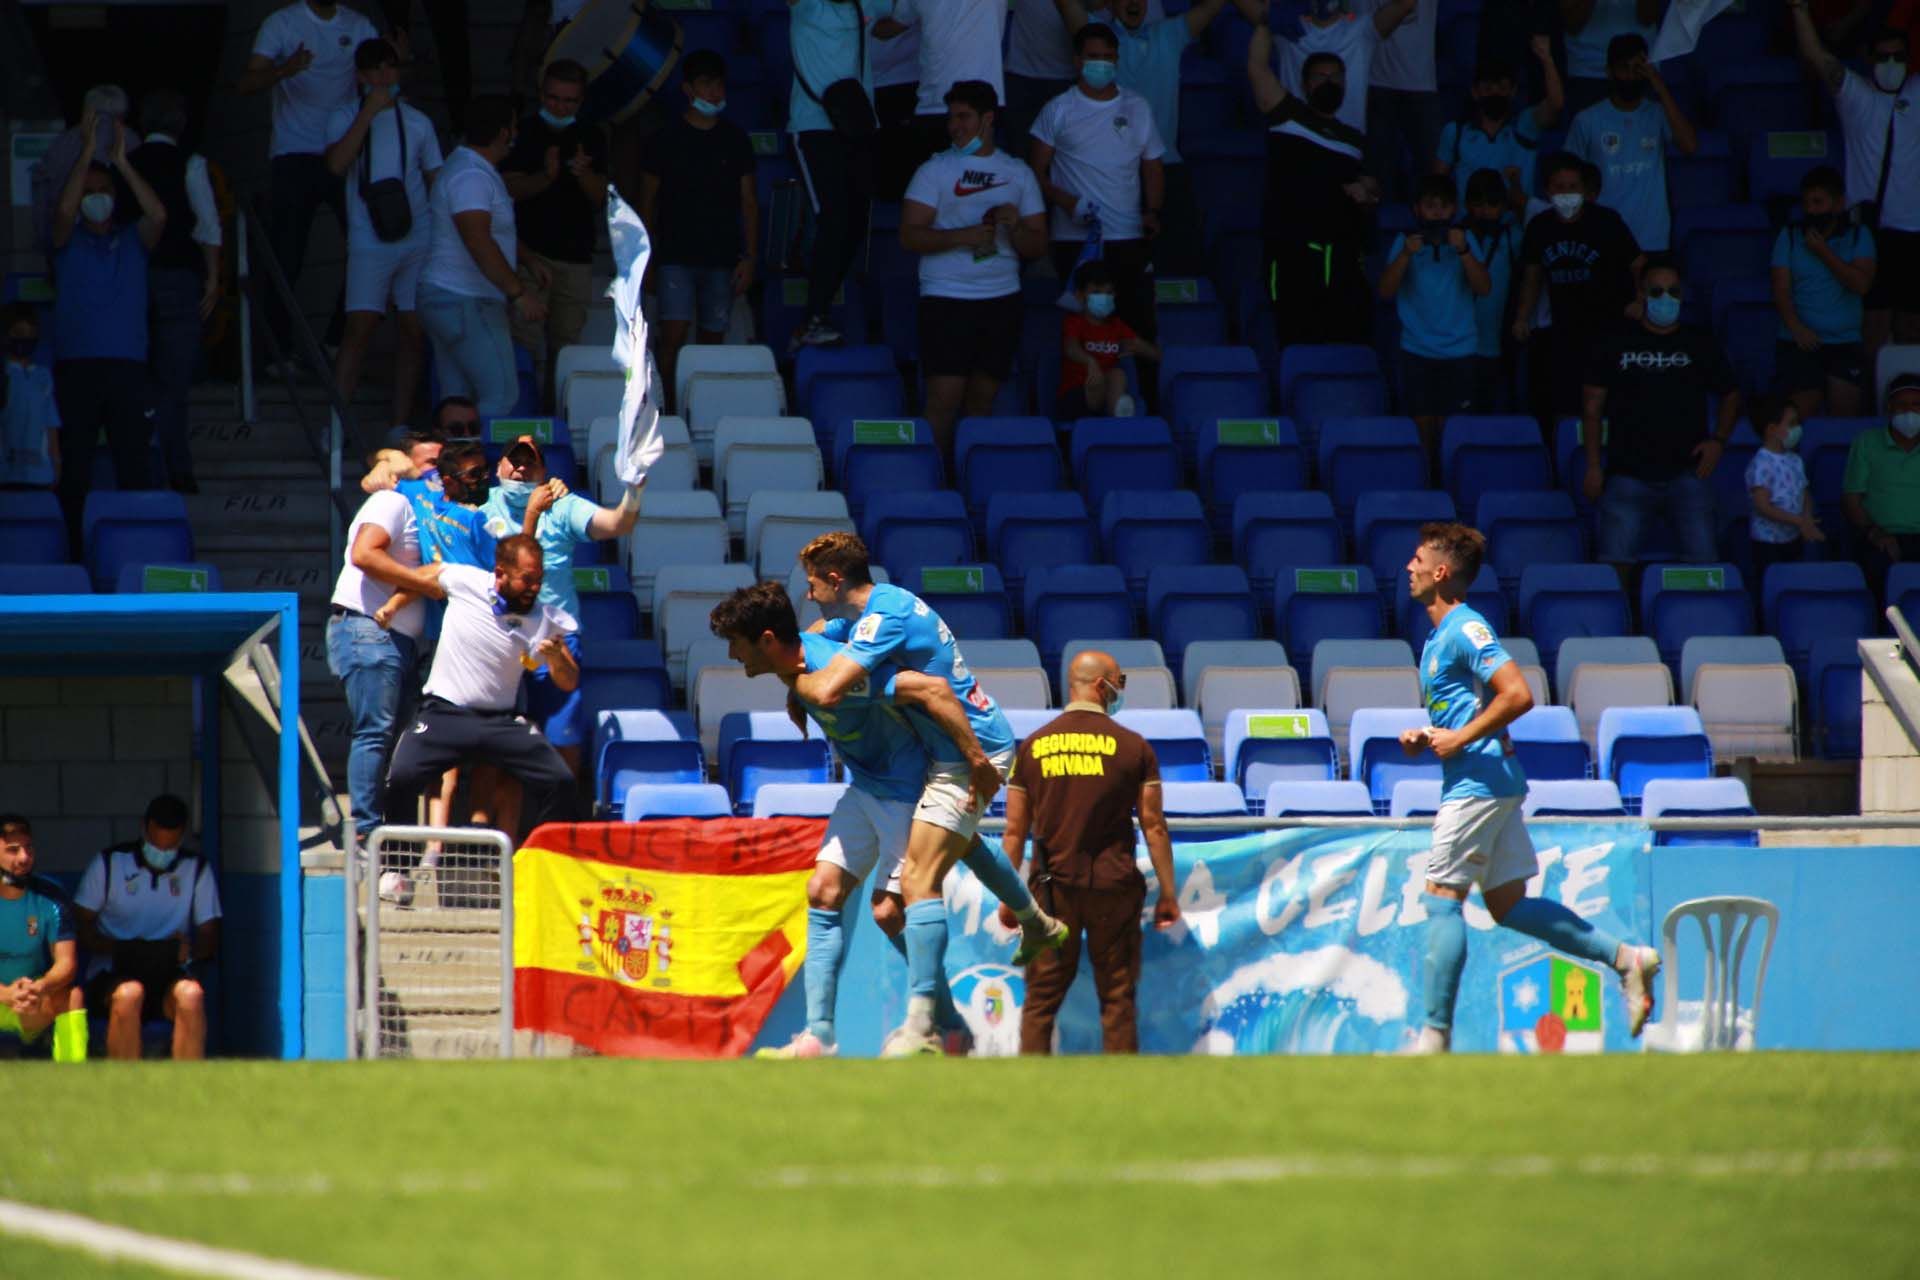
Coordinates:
<point>1896,275</point>
<point>1435,388</point>
<point>960,337</point>
<point>151,966</point>
<point>1797,370</point>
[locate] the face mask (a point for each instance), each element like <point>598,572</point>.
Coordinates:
<point>156,857</point>
<point>1890,75</point>
<point>22,348</point>
<point>1496,105</point>
<point>1099,305</point>
<point>1629,90</point>
<point>969,147</point>
<point>706,108</point>
<point>97,207</point>
<point>1567,204</point>
<point>516,492</point>
<point>1098,73</point>
<point>1793,436</point>
<point>554,121</point>
<point>1326,98</point>
<point>1119,702</point>
<point>1907,424</point>
<point>1663,311</point>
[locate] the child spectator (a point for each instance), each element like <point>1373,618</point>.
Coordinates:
<point>1092,342</point>
<point>1493,233</point>
<point>1783,521</point>
<point>29,420</point>
<point>1433,278</point>
<point>1495,134</point>
<point>1822,270</point>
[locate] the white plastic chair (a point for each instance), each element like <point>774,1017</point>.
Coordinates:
<point>1749,709</point>
<point>780,522</point>
<point>590,395</point>
<point>1715,1022</point>
<point>698,360</point>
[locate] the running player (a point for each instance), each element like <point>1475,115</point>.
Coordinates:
<point>1479,836</point>
<point>883,624</point>
<point>38,954</point>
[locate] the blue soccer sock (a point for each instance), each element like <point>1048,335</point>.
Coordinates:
<point>926,961</point>
<point>1446,957</point>
<point>946,1014</point>
<point>1001,880</point>
<point>826,947</point>
<point>1562,930</point>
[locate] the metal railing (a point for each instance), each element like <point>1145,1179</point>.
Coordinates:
<point>1753,822</point>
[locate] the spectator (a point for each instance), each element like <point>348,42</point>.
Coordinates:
<point>304,53</point>
<point>898,149</point>
<point>1351,32</point>
<point>1881,498</point>
<point>183,273</point>
<point>38,962</point>
<point>449,21</point>
<point>383,141</point>
<point>100,327</point>
<point>1093,340</point>
<point>1782,522</point>
<point>1097,156</point>
<point>835,149</point>
<point>1586,260</point>
<point>1821,271</point>
<point>1591,27</point>
<point>527,500</point>
<point>29,415</point>
<point>1496,135</point>
<point>1084,871</point>
<point>1318,211</point>
<point>1433,277</point>
<point>1878,120</point>
<point>457,417</point>
<point>148,913</point>
<point>698,172</point>
<point>1494,232</point>
<point>959,40</point>
<point>1648,386</point>
<point>1506,38</point>
<point>1039,68</point>
<point>107,103</point>
<point>1403,102</point>
<point>973,213</point>
<point>556,173</point>
<point>1627,137</point>
<point>469,281</point>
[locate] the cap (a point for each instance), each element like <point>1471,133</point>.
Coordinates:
<point>518,451</point>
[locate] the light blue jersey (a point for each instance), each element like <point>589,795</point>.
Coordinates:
<point>1630,148</point>
<point>1456,665</point>
<point>29,926</point>
<point>881,751</point>
<point>1501,253</point>
<point>899,627</point>
<point>449,532</point>
<point>1435,303</point>
<point>563,526</point>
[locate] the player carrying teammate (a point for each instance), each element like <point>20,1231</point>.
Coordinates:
<point>1479,836</point>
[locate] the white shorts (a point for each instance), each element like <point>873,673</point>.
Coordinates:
<point>944,802</point>
<point>865,832</point>
<point>1481,840</point>
<point>377,272</point>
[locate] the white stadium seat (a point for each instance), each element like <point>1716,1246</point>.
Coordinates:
<point>674,528</point>
<point>780,522</point>
<point>683,596</point>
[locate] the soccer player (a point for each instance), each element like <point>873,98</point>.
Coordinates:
<point>882,624</point>
<point>1479,836</point>
<point>38,954</point>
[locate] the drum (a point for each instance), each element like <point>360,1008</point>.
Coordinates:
<point>628,47</point>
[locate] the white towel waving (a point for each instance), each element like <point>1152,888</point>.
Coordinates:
<point>640,444</point>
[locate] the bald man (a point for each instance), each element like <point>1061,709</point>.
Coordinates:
<point>1077,782</point>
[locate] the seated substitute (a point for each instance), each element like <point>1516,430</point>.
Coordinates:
<point>38,954</point>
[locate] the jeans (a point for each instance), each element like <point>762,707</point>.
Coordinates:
<point>376,668</point>
<point>472,348</point>
<point>1627,504</point>
<point>1398,119</point>
<point>301,185</point>
<point>173,350</point>
<point>568,299</point>
<point>95,395</point>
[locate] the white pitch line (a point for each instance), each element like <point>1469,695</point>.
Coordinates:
<point>122,1244</point>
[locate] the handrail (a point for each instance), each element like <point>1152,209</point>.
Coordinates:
<point>1895,673</point>
<point>1752,822</point>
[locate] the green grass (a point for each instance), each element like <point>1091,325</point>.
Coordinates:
<point>1067,1168</point>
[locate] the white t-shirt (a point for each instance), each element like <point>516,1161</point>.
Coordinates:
<point>1353,39</point>
<point>1097,150</point>
<point>1404,60</point>
<point>961,190</point>
<point>959,40</point>
<point>135,905</point>
<point>382,147</point>
<point>354,589</point>
<point>481,654</point>
<point>467,182</point>
<point>302,103</point>
<point>895,61</point>
<point>1864,111</point>
<point>1038,46</point>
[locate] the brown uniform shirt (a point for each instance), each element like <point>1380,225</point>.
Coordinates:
<point>1082,773</point>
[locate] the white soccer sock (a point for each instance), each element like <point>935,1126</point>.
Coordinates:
<point>920,1015</point>
<point>1027,914</point>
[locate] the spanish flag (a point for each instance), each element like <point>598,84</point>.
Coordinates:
<point>659,939</point>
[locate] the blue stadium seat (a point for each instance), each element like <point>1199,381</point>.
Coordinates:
<point>906,530</point>
<point>1122,453</point>
<point>1824,446</point>
<point>1722,242</point>
<point>1570,460</point>
<point>1776,161</point>
<point>874,454</point>
<point>1267,746</point>
<point>1484,595</point>
<point>798,799</point>
<point>1310,360</point>
<point>783,310</point>
<point>623,674</point>
<point>1068,602</point>
<point>970,598</point>
<point>1386,529</point>
<point>1415,798</point>
<point>1312,603</point>
<point>1187,311</point>
<point>1572,797</point>
<point>1704,178</point>
<point>611,612</point>
<point>1250,455</point>
<point>1756,95</point>
<point>1031,529</point>
<point>1373,744</point>
<point>633,747</point>
<point>176,577</point>
<point>837,394</point>
<point>1180,364</point>
<point>1479,455</point>
<point>44,579</point>
<point>717,29</point>
<point>1276,532</point>
<point>1004,455</point>
<point>738,727</point>
<point>1357,455</point>
<point>1024,721</point>
<point>1548,743</point>
<point>133,527</point>
<point>1196,396</point>
<point>1833,696</point>
<point>1799,603</point>
<point>1561,600</point>
<point>1699,798</point>
<point>1199,602</point>
<point>1639,744</point>
<point>682,800</point>
<point>756,762</point>
<point>32,529</point>
<point>811,363</point>
<point>1678,602</point>
<point>1303,799</point>
<point>1143,530</point>
<point>1202,800</point>
<point>1528,528</point>
<point>1178,739</point>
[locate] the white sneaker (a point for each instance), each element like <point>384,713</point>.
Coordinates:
<point>1636,984</point>
<point>1123,407</point>
<point>396,888</point>
<point>1042,933</point>
<point>804,1045</point>
<point>904,1042</point>
<point>1432,1041</point>
<point>817,333</point>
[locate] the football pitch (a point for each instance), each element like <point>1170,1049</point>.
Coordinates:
<point>1770,1164</point>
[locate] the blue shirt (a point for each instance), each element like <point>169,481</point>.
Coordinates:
<point>1823,304</point>
<point>1630,147</point>
<point>1465,147</point>
<point>1501,252</point>
<point>825,40</point>
<point>881,750</point>
<point>562,527</point>
<point>29,926</point>
<point>1457,663</point>
<point>449,532</point>
<point>100,307</point>
<point>899,627</point>
<point>24,423</point>
<point>1150,66</point>
<point>1435,304</point>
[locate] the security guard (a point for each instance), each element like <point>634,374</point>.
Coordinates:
<point>1076,784</point>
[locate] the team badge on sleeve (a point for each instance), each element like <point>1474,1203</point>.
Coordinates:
<point>867,629</point>
<point>1478,633</point>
